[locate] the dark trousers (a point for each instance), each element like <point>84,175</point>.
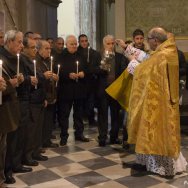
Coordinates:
<point>16,140</point>
<point>64,110</point>
<point>34,141</point>
<point>48,123</point>
<point>104,103</point>
<point>89,104</point>
<point>2,156</point>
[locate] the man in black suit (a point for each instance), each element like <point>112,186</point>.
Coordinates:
<point>113,64</point>
<point>71,91</point>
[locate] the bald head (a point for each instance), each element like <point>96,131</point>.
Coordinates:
<point>71,44</point>
<point>158,33</point>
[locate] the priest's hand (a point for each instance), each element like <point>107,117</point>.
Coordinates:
<point>121,43</point>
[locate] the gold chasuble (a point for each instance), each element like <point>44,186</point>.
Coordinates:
<point>120,89</point>
<point>153,118</point>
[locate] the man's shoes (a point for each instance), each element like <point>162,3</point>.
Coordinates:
<point>42,150</point>
<point>102,143</point>
<point>40,157</point>
<point>22,169</point>
<point>50,145</point>
<point>3,186</point>
<point>115,141</point>
<point>30,162</point>
<point>9,179</point>
<point>82,139</point>
<point>125,145</point>
<point>139,167</point>
<point>53,136</point>
<point>63,143</point>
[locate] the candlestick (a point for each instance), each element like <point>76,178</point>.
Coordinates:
<point>58,67</point>
<point>107,54</point>
<point>1,63</point>
<point>35,71</point>
<point>51,64</point>
<point>88,54</point>
<point>77,62</point>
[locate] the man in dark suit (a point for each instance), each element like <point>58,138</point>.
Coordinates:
<point>71,91</point>
<point>113,64</point>
<point>92,59</point>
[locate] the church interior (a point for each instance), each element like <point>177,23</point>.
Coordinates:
<point>85,164</point>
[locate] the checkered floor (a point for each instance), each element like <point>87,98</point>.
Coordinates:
<point>87,165</point>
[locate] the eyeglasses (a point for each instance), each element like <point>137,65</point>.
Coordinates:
<point>33,47</point>
<point>149,38</point>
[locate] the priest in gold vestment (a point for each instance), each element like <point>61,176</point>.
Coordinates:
<point>153,113</point>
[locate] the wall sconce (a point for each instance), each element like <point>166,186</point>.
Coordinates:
<point>109,2</point>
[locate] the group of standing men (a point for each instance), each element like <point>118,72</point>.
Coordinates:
<point>38,79</point>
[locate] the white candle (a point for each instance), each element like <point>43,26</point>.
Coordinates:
<point>51,64</point>
<point>58,67</point>
<point>1,63</point>
<point>18,64</point>
<point>77,62</point>
<point>88,54</point>
<point>35,71</point>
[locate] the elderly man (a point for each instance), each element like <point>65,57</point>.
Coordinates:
<point>45,67</point>
<point>153,119</point>
<point>71,91</point>
<point>2,137</point>
<point>113,64</point>
<point>13,45</point>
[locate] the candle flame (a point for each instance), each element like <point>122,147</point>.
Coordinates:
<point>1,62</point>
<point>18,55</point>
<point>58,65</point>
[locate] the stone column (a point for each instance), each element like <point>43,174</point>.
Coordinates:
<point>120,19</point>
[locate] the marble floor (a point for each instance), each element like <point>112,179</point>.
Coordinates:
<point>85,165</point>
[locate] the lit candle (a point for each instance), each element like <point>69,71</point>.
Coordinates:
<point>77,62</point>
<point>35,71</point>
<point>18,64</point>
<point>51,64</point>
<point>58,67</point>
<point>1,63</point>
<point>88,54</point>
